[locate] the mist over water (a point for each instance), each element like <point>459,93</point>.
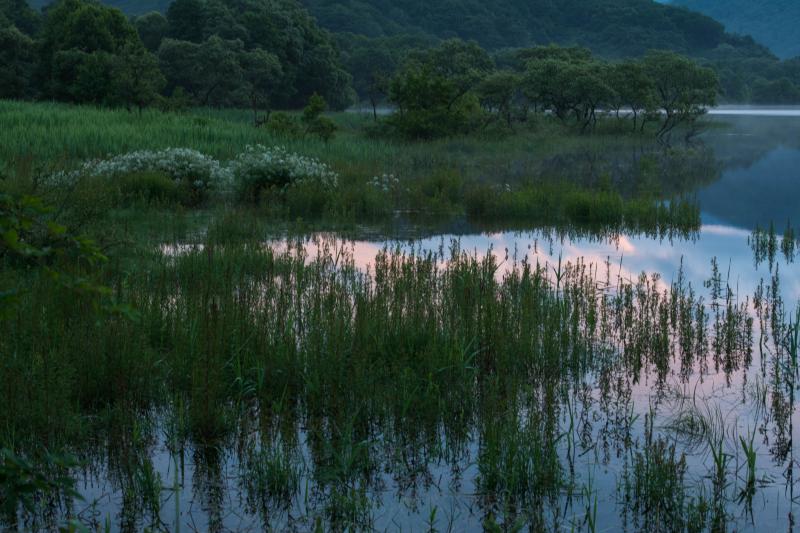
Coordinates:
<point>759,152</point>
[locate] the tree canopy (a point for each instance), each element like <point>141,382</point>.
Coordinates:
<point>455,87</point>
<point>263,53</point>
<point>278,46</point>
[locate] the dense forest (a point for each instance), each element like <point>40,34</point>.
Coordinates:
<point>224,54</point>
<point>278,53</point>
<point>612,29</point>
<point>776,23</point>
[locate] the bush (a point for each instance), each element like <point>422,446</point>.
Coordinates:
<point>151,188</point>
<point>307,199</point>
<point>436,122</point>
<point>193,171</point>
<point>283,125</point>
<point>260,169</point>
<point>315,123</point>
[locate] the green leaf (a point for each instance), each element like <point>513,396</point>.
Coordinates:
<point>11,238</point>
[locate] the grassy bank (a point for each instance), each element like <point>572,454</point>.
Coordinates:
<point>543,174</point>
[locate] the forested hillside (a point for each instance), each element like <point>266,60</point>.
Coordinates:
<point>776,23</point>
<point>612,29</point>
<point>382,31</point>
<point>608,27</point>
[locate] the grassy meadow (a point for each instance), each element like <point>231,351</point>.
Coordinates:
<point>544,174</point>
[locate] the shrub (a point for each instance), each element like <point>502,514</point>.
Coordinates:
<point>315,123</point>
<point>190,169</point>
<point>307,199</point>
<point>283,125</point>
<point>151,187</point>
<point>260,169</point>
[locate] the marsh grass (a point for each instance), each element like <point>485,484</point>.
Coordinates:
<point>393,367</point>
<point>541,176</point>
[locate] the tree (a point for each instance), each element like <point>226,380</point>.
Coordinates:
<point>18,60</point>
<point>633,89</point>
<point>152,29</point>
<point>589,91</point>
<point>313,120</point>
<point>211,72</point>
<point>18,13</point>
<point>684,89</point>
<point>187,20</point>
<point>83,77</point>
<point>79,43</point>
<point>781,91</point>
<point>435,89</point>
<point>372,67</point>
<point>263,74</point>
<point>498,92</point>
<point>308,57</point>
<point>547,84</point>
<point>221,71</point>
<point>425,106</point>
<point>137,77</point>
<point>319,72</point>
<point>178,62</point>
<point>462,64</point>
<point>567,54</point>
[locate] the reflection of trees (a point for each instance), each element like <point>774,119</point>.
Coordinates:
<point>759,156</point>
<point>651,169</point>
<point>739,142</point>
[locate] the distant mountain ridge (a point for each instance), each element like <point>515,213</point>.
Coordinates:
<point>775,23</point>
<point>130,7</point>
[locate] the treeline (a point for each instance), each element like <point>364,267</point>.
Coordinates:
<point>202,52</point>
<point>273,53</point>
<point>265,55</point>
<point>611,29</point>
<point>458,86</point>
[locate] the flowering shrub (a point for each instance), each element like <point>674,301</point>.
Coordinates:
<point>189,168</point>
<point>386,183</point>
<point>255,170</point>
<point>182,164</point>
<point>260,168</point>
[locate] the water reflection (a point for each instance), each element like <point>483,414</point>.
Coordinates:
<point>760,180</point>
<point>687,361</point>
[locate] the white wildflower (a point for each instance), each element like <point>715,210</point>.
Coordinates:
<point>260,167</point>
<point>181,164</point>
